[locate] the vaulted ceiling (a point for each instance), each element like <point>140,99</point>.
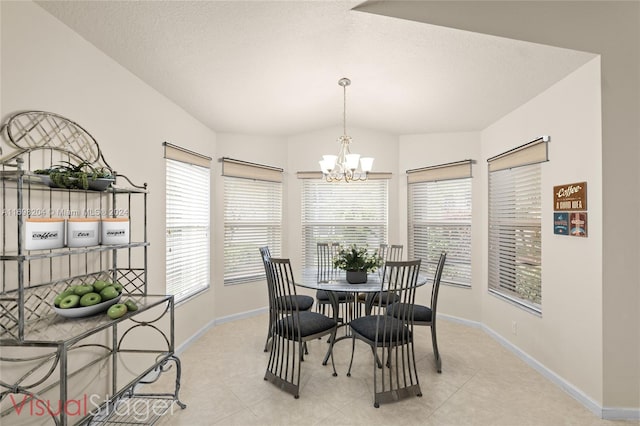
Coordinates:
<point>271,68</point>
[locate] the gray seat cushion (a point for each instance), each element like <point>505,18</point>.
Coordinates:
<point>310,323</point>
<point>323,295</point>
<point>387,298</point>
<point>420,313</point>
<point>304,302</point>
<point>393,332</point>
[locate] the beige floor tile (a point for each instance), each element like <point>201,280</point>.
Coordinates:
<point>482,383</point>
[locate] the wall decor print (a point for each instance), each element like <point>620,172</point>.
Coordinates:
<point>578,224</point>
<point>561,223</point>
<point>570,197</point>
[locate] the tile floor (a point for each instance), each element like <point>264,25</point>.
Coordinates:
<point>482,383</point>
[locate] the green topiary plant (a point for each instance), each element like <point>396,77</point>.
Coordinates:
<point>75,176</point>
<point>354,258</point>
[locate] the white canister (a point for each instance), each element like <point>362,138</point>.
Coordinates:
<point>83,232</point>
<point>115,230</point>
<point>43,233</point>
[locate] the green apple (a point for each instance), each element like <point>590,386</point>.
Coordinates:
<point>71,301</point>
<point>109,292</point>
<point>99,285</point>
<point>81,290</point>
<point>118,286</point>
<point>117,310</point>
<point>90,299</point>
<point>61,296</point>
<point>131,305</point>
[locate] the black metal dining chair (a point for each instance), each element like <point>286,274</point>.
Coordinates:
<point>326,253</point>
<point>292,328</point>
<point>393,335</point>
<point>303,302</point>
<point>426,315</point>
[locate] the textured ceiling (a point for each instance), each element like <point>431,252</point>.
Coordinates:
<point>271,68</point>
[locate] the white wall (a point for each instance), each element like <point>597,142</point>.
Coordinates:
<point>46,66</point>
<point>567,339</point>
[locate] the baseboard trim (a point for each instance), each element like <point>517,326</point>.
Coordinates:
<point>217,321</point>
<point>607,413</point>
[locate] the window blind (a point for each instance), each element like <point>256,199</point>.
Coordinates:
<point>440,220</point>
<point>252,219</point>
<point>515,244</point>
<point>187,228</point>
<point>354,212</point>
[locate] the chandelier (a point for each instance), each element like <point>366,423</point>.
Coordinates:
<point>345,166</point>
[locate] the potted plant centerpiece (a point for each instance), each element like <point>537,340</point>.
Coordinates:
<point>356,261</point>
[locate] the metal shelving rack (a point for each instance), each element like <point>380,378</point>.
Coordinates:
<point>86,370</point>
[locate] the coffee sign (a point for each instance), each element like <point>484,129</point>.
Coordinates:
<point>570,197</point>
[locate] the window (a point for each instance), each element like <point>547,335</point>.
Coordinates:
<point>354,212</point>
<point>187,222</point>
<point>515,243</point>
<point>440,220</point>
<point>252,218</point>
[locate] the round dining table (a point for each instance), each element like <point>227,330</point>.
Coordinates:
<point>337,284</point>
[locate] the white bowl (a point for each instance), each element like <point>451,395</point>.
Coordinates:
<point>85,311</point>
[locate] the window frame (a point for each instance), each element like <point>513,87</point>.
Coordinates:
<point>459,260</point>
<point>182,168</point>
<point>253,213</point>
<point>516,177</point>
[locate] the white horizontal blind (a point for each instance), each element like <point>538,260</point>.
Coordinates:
<point>252,219</point>
<point>515,245</point>
<point>440,220</point>
<point>354,212</point>
<point>187,227</point>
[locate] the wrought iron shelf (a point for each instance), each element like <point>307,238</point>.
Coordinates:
<point>47,357</point>
<point>34,181</point>
<point>67,251</point>
<point>56,330</point>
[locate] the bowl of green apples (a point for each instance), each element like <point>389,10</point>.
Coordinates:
<point>87,299</point>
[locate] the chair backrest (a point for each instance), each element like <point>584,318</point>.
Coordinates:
<point>389,253</point>
<point>395,252</point>
<point>264,253</point>
<point>282,287</point>
<point>326,252</point>
<point>382,251</point>
<point>401,280</point>
<point>436,285</point>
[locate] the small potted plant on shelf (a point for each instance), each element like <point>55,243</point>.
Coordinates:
<point>76,176</point>
<point>356,261</point>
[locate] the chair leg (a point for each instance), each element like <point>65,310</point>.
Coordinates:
<point>353,349</point>
<point>333,364</point>
<point>436,353</point>
<point>269,336</point>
